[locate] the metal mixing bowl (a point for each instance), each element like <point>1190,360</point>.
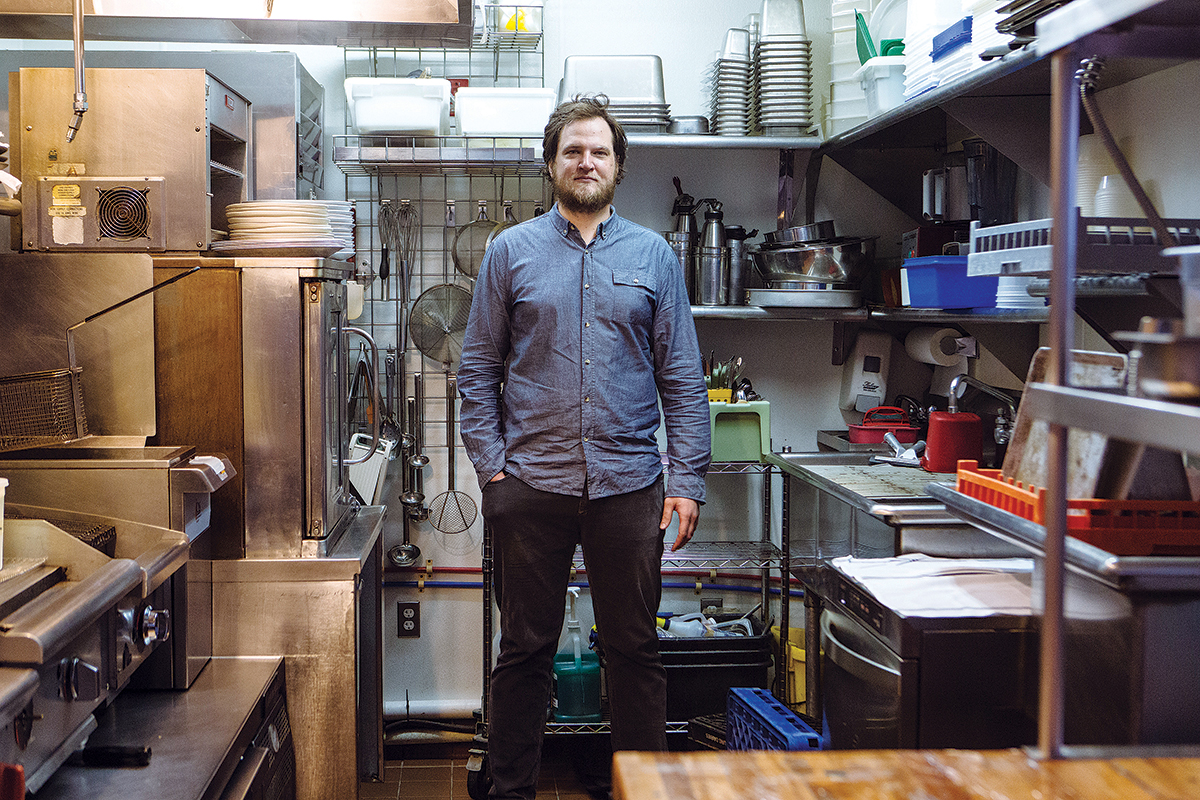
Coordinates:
<point>840,261</point>
<point>813,232</point>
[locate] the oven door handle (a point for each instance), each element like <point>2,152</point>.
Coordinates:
<point>855,663</point>
<point>241,782</point>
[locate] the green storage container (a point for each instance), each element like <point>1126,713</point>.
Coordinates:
<point>740,431</point>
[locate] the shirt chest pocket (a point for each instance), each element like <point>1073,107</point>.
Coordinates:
<point>630,298</point>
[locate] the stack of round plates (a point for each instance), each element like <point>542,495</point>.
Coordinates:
<point>341,220</point>
<point>731,91</point>
<point>783,84</point>
<point>642,117</point>
<point>280,227</point>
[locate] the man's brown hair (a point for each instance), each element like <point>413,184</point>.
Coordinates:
<point>577,109</point>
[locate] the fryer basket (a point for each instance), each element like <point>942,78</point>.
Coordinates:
<point>38,408</point>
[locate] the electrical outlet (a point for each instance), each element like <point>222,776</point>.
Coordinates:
<point>408,616</point>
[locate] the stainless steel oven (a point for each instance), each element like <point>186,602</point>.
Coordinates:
<point>251,362</point>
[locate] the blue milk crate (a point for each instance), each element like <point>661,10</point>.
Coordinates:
<point>755,720</point>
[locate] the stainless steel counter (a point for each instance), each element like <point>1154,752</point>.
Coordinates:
<point>839,504</point>
<point>1131,624</point>
<point>194,737</point>
<point>324,616</point>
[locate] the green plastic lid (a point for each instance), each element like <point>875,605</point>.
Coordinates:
<point>866,47</point>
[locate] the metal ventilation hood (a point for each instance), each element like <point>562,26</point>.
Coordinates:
<point>358,23</point>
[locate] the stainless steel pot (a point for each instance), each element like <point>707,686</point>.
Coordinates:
<point>840,261</point>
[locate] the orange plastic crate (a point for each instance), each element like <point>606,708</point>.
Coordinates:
<point>1121,527</point>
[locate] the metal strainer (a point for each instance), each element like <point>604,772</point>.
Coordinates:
<point>451,511</point>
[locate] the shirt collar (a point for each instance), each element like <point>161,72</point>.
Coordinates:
<point>565,227</point>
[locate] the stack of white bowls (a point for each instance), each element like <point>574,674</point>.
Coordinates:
<point>783,70</point>
<point>1012,292</point>
<point>1093,164</point>
<point>731,85</point>
<point>847,104</point>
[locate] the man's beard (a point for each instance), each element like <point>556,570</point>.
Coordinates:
<point>585,198</point>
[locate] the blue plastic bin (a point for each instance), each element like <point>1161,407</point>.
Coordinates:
<point>942,282</point>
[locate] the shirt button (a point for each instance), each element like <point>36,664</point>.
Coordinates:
<point>587,361</point>
<point>587,324</point>
<point>635,280</point>
<point>587,286</point>
<point>585,438</point>
<point>587,399</point>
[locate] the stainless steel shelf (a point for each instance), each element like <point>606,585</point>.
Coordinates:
<point>1170,426</point>
<point>713,142</point>
<point>1086,18</point>
<point>929,315</point>
<point>780,313</point>
<point>735,555</point>
<point>572,728</point>
<point>437,155</point>
<point>979,79</point>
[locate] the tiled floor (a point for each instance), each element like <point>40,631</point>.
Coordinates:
<point>441,774</point>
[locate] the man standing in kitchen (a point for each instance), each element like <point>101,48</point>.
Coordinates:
<point>580,326</point>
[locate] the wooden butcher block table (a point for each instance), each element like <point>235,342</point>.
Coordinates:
<point>901,775</point>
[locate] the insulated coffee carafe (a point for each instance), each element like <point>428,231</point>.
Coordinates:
<point>683,238</point>
<point>712,262</point>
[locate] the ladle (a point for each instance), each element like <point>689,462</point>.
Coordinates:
<point>413,498</point>
<point>404,555</point>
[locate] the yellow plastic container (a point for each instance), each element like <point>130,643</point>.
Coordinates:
<point>740,431</point>
<point>793,661</point>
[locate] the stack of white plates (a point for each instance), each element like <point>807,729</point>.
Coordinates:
<point>783,84</point>
<point>280,227</point>
<point>341,221</point>
<point>642,117</point>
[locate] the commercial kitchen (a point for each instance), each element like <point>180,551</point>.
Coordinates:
<point>943,260</point>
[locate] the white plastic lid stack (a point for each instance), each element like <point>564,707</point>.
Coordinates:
<point>924,20</point>
<point>984,35</point>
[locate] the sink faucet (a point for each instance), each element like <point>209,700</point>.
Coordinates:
<point>1004,423</point>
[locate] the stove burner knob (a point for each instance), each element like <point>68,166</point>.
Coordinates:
<point>156,626</point>
<point>78,680</point>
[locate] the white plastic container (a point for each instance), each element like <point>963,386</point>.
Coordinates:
<point>882,81</point>
<point>503,111</point>
<point>404,106</point>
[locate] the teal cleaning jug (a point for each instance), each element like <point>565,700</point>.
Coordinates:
<point>575,681</point>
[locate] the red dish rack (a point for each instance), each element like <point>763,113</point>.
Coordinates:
<point>1120,527</point>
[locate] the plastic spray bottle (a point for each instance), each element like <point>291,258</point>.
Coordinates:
<point>575,681</point>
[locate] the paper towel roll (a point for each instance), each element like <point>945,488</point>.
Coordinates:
<point>933,346</point>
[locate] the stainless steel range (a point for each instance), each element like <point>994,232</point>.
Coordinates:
<point>81,617</point>
<point>169,487</point>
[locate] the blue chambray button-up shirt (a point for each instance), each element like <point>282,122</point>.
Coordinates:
<point>568,351</point>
